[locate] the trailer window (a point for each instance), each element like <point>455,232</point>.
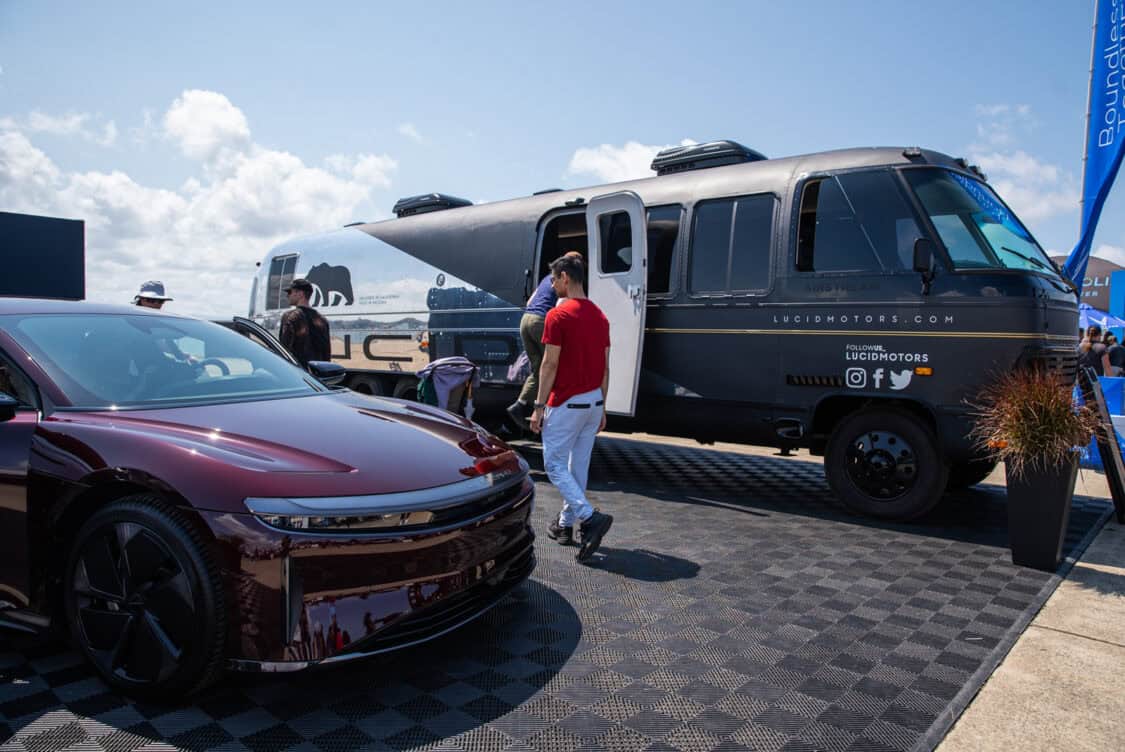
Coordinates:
<point>855,222</point>
<point>281,274</point>
<point>730,245</point>
<point>617,243</point>
<point>663,229</point>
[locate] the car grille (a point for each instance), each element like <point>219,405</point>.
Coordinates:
<point>450,612</point>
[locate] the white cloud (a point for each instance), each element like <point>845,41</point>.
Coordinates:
<point>1113,253</point>
<point>1000,125</point>
<point>613,164</point>
<point>1035,189</point>
<point>408,130</point>
<point>71,124</point>
<point>206,126</point>
<point>203,238</point>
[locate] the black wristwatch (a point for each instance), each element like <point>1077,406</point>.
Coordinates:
<point>539,406</point>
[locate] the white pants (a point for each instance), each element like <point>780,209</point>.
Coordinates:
<point>568,441</point>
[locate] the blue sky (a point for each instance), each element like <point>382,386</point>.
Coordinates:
<point>193,137</point>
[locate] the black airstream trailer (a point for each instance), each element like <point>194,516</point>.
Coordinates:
<point>846,301</point>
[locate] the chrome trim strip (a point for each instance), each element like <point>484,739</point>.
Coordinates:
<point>426,499</point>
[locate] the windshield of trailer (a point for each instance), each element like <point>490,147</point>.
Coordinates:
<point>978,230</point>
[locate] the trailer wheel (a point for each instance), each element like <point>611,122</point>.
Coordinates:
<point>365,384</point>
<point>885,463</point>
<point>407,389</point>
<point>968,474</point>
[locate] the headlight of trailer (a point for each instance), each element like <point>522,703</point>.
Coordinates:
<point>406,510</point>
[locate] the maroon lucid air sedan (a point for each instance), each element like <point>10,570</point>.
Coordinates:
<point>183,500</point>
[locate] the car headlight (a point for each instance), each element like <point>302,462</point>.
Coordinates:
<point>488,478</point>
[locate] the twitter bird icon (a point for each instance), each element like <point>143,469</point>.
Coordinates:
<point>901,379</point>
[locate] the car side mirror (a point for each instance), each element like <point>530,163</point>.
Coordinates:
<point>329,374</point>
<point>8,405</point>
<point>924,262</point>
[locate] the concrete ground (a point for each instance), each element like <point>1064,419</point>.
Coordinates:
<point>1061,686</point>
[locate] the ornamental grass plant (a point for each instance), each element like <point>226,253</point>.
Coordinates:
<point>1028,419</point>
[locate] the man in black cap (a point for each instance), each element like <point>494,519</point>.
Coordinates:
<point>304,332</point>
<point>151,295</point>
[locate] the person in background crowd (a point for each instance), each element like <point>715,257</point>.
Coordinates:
<point>570,408</point>
<point>531,332</point>
<point>1115,352</point>
<point>1092,351</point>
<point>304,332</point>
<point>151,295</point>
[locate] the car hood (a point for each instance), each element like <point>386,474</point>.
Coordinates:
<point>327,444</point>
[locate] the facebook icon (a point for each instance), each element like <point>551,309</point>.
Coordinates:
<point>878,375</point>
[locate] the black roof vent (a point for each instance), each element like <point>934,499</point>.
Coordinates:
<point>546,190</point>
<point>700,156</point>
<point>427,202</point>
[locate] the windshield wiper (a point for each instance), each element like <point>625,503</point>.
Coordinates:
<point>1070,286</point>
<point>1024,256</point>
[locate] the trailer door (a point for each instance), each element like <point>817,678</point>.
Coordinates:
<point>615,226</point>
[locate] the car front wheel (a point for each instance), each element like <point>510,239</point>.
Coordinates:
<point>885,463</point>
<point>144,601</point>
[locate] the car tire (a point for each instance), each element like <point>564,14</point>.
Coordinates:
<point>143,600</point>
<point>885,463</point>
<point>967,474</point>
<point>366,385</point>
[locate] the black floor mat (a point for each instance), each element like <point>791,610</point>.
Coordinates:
<point>733,606</point>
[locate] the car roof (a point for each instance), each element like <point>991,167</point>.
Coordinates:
<point>24,306</point>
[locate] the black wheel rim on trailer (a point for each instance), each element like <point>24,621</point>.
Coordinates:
<point>134,603</point>
<point>882,465</point>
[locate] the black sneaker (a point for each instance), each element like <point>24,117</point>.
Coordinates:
<point>591,532</point>
<point>517,411</point>
<point>564,536</point>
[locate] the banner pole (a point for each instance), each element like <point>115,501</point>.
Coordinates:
<point>1089,111</point>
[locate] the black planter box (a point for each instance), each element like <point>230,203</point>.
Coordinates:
<point>1038,511</point>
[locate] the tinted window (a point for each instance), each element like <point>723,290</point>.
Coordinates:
<point>975,226</point>
<point>855,222</point>
<point>617,243</point>
<point>14,384</point>
<point>730,245</point>
<point>750,251</point>
<point>103,361</point>
<point>281,274</point>
<point>663,229</point>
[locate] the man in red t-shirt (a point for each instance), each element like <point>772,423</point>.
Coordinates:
<point>570,408</point>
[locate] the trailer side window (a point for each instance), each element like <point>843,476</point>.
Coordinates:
<point>858,221</point>
<point>730,245</point>
<point>281,274</point>
<point>617,243</point>
<point>663,229</point>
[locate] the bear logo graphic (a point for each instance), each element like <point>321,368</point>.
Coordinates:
<point>332,285</point>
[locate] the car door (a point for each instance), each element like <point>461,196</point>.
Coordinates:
<point>15,451</point>
<point>249,329</point>
<point>617,276</point>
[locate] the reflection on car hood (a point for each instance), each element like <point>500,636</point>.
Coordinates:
<point>383,445</point>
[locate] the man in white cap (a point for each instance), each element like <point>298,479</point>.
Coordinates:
<point>151,295</point>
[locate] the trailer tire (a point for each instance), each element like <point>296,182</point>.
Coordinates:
<point>967,474</point>
<point>365,384</point>
<point>885,463</point>
<point>407,389</point>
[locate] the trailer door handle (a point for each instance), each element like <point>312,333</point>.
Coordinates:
<point>634,291</point>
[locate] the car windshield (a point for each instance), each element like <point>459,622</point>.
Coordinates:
<point>121,361</point>
<point>976,227</point>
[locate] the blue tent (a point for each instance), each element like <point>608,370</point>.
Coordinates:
<point>1087,315</point>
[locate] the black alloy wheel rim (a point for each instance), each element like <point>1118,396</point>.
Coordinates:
<point>882,465</point>
<point>133,604</point>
